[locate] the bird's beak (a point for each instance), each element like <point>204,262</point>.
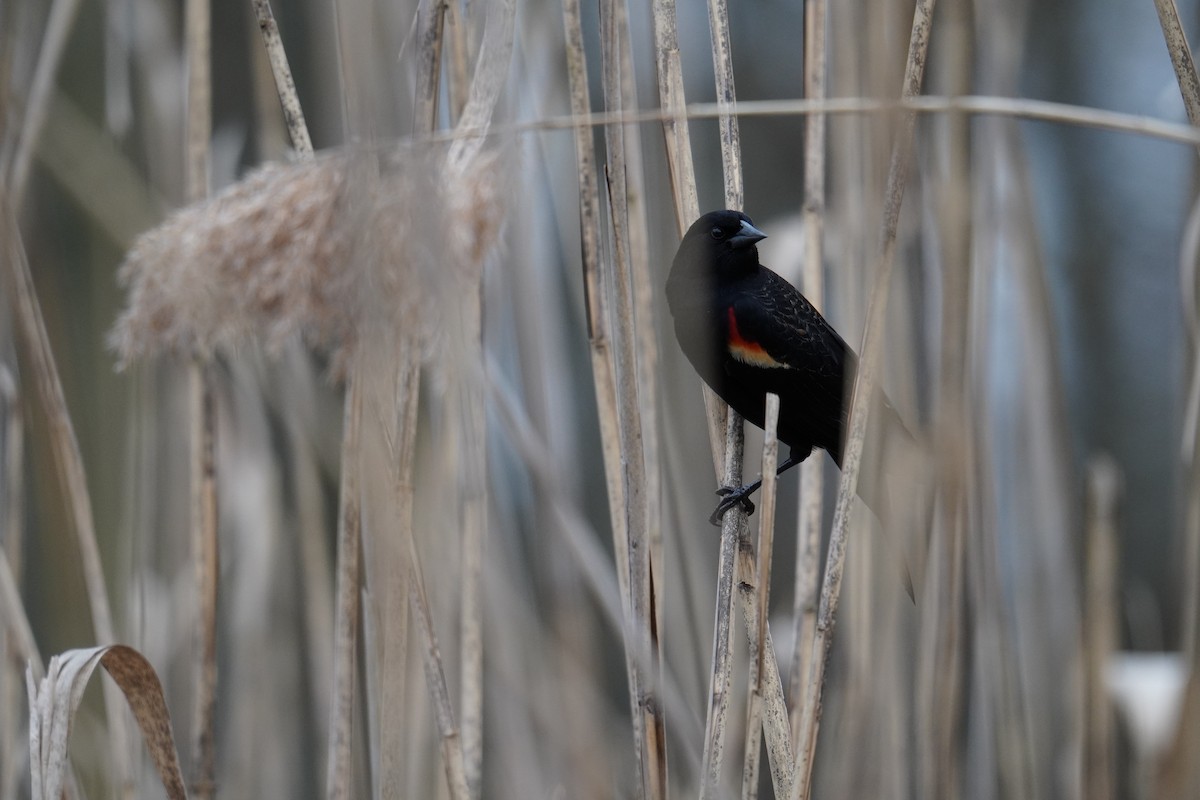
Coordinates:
<point>747,236</point>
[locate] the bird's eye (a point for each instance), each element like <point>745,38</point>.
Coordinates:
<point>717,233</point>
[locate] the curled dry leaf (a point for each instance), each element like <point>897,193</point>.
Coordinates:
<point>316,249</point>
<point>53,704</point>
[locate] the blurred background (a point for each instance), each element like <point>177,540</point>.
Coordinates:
<point>1077,345</point>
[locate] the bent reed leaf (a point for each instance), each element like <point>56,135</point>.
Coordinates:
<point>54,702</point>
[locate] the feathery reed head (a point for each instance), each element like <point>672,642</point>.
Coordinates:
<point>315,249</point>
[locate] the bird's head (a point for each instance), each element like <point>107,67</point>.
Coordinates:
<point>720,244</point>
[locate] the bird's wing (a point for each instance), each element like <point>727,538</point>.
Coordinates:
<point>773,325</point>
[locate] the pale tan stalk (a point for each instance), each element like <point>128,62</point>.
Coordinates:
<point>774,712</point>
<point>644,346</point>
<point>435,675</point>
<point>16,635</point>
<point>402,452</point>
<point>1098,778</point>
<point>683,176</point>
<point>1189,88</point>
<point>1181,58</point>
<point>812,471</point>
<point>941,654</point>
<point>721,673</point>
<point>766,536</point>
<point>429,64</point>
<point>68,464</point>
<point>346,620</point>
<point>596,291</point>
<point>293,114</point>
<point>202,413</point>
<point>978,105</point>
<point>18,155</point>
<point>491,71</point>
<point>716,716</point>
<point>628,236</point>
<point>864,388</point>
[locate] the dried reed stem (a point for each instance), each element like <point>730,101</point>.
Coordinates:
<point>812,470</point>
<point>346,620</point>
<point>1098,778</point>
<point>622,169</point>
<point>491,71</point>
<point>293,114</point>
<point>1189,258</point>
<point>1189,88</point>
<point>774,717</point>
<point>978,105</point>
<point>683,176</point>
<point>18,157</point>
<point>609,405</point>
<point>1181,58</point>
<point>435,675</point>
<point>941,651</point>
<point>766,535</point>
<point>203,417</point>
<point>16,635</point>
<point>733,523</point>
<point>68,463</point>
<point>864,388</point>
<point>717,713</point>
<point>429,65</point>
<point>731,139</point>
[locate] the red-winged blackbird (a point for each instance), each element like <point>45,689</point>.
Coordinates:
<point>748,331</point>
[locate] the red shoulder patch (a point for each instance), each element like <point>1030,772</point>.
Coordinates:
<point>745,350</point>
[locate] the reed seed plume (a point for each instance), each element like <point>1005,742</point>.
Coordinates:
<point>312,249</point>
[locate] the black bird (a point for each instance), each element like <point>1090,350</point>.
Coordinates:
<point>748,332</point>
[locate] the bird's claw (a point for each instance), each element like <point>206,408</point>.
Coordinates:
<point>731,497</point>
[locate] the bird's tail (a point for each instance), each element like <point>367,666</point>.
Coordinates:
<point>896,483</point>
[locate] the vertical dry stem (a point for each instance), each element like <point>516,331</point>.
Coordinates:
<point>1181,58</point>
<point>766,534</point>
<point>812,471</point>
<point>68,463</point>
<point>202,412</point>
<point>864,388</point>
<point>1099,628</point>
<point>340,775</point>
<point>622,167</point>
<point>734,520</point>
<point>293,114</point>
<point>18,157</point>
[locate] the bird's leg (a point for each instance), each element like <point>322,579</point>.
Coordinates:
<point>732,497</point>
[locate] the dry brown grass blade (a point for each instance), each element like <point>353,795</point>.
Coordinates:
<point>54,701</point>
<point>864,388</point>
<point>68,461</point>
